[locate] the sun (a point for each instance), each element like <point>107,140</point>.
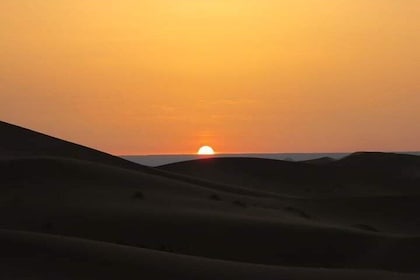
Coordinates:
<point>205,150</point>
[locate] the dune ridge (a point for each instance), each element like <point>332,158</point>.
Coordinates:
<point>358,174</point>
<point>17,141</point>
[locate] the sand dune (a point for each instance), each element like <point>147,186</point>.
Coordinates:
<point>360,174</point>
<point>69,212</point>
<point>42,256</point>
<point>21,142</point>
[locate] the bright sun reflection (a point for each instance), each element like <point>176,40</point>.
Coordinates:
<point>205,150</point>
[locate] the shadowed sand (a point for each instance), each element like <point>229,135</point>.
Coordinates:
<point>69,212</point>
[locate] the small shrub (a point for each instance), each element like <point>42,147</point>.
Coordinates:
<point>138,195</point>
<point>215,197</point>
<point>166,248</point>
<point>298,212</point>
<point>48,226</point>
<point>239,203</point>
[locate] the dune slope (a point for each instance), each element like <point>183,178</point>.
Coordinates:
<point>92,216</point>
<point>17,141</point>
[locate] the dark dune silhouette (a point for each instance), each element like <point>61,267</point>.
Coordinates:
<point>354,175</point>
<point>17,142</point>
<point>70,212</point>
<point>320,161</point>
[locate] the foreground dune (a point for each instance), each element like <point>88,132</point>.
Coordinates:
<point>43,256</point>
<point>68,212</point>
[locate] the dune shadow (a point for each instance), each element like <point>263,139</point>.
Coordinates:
<point>365,227</point>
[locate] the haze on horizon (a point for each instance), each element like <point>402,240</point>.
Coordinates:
<point>164,76</point>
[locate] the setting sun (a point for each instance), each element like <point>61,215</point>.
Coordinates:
<point>205,150</point>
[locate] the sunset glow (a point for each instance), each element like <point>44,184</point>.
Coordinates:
<point>163,76</point>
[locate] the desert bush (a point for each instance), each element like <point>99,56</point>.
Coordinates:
<point>298,212</point>
<point>138,195</point>
<point>215,197</point>
<point>239,203</point>
<point>48,226</point>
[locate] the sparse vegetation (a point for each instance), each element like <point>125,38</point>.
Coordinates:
<point>239,203</point>
<point>298,212</point>
<point>138,195</point>
<point>215,197</point>
<point>48,226</point>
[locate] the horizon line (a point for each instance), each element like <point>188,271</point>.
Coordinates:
<point>262,153</point>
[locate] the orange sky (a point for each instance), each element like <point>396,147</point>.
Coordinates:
<point>165,76</point>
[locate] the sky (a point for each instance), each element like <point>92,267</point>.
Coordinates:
<point>165,76</point>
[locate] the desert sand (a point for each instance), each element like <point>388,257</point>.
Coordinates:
<point>71,212</point>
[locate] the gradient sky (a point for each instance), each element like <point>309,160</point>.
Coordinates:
<point>165,76</point>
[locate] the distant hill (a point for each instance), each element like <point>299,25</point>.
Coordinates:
<point>285,177</point>
<point>319,161</point>
<point>357,174</point>
<point>388,170</point>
